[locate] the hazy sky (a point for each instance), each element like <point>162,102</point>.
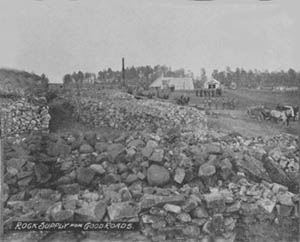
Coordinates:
<point>56,37</point>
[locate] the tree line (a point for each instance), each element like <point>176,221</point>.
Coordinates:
<point>141,75</point>
<point>256,78</point>
<point>144,75</point>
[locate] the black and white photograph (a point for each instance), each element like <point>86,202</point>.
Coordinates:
<point>149,120</point>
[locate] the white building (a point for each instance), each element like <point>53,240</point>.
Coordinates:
<point>212,84</point>
<point>179,83</point>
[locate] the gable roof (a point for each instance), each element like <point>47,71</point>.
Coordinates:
<point>212,81</point>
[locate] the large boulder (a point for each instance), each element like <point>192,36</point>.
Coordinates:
<point>115,150</point>
<point>98,169</point>
<point>206,170</point>
<point>101,147</point>
<point>93,211</point>
<point>91,138</point>
<point>253,168</point>
<point>100,210</point>
<point>16,163</point>
<point>157,175</point>
<point>179,175</point>
<point>275,172</point>
<point>212,148</point>
<point>60,148</point>
<point>85,175</point>
<point>42,173</point>
<point>69,189</point>
<point>86,148</point>
<point>157,155</point>
<point>150,200</point>
<point>122,210</point>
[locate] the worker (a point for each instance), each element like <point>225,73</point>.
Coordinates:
<point>201,92</point>
<point>223,103</point>
<point>216,103</point>
<point>209,103</point>
<point>205,103</point>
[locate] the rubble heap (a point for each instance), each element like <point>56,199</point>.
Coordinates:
<point>179,187</point>
<point>21,116</point>
<point>122,111</point>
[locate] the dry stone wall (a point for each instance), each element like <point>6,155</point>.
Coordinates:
<point>21,117</point>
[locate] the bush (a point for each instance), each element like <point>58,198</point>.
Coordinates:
<point>51,95</point>
<point>10,95</point>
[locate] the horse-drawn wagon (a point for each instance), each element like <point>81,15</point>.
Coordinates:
<point>281,113</point>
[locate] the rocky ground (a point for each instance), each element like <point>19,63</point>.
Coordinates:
<point>178,184</point>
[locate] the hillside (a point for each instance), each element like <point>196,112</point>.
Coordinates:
<point>21,83</point>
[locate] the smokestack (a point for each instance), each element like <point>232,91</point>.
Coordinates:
<point>123,71</point>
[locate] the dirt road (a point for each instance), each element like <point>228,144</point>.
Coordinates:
<point>237,121</point>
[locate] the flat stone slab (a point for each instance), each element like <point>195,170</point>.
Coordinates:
<point>118,211</point>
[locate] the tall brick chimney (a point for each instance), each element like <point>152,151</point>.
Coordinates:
<point>123,71</point>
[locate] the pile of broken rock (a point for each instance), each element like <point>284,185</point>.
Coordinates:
<point>122,111</point>
<point>179,189</point>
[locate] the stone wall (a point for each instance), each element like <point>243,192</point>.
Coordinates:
<point>21,117</point>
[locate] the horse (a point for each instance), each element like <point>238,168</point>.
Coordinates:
<point>258,112</point>
<point>283,116</point>
<point>266,113</point>
<point>291,112</point>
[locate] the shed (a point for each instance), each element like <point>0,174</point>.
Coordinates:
<point>212,84</point>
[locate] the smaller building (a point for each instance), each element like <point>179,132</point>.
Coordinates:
<point>212,84</point>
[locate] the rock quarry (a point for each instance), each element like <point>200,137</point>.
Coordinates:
<point>165,170</point>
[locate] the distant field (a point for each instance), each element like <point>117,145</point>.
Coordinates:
<point>238,120</point>
<point>246,98</point>
<point>268,98</point>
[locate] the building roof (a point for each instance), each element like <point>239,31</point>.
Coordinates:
<point>212,81</point>
<point>180,83</point>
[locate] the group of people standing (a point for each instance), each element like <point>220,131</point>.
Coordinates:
<point>209,92</point>
<point>217,103</point>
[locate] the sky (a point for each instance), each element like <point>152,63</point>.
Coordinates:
<point>56,37</point>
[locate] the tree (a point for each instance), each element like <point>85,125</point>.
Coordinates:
<point>67,79</point>
<point>215,74</point>
<point>80,76</point>
<point>292,75</point>
<point>44,81</point>
<point>203,77</point>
